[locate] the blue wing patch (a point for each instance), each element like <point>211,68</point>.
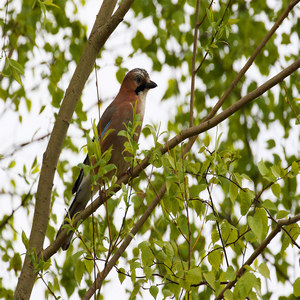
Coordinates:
<point>104,129</point>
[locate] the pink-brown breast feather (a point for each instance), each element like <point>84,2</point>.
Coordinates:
<point>123,113</point>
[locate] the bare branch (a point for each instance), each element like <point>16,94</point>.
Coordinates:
<point>25,144</point>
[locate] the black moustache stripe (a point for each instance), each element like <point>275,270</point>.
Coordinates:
<point>140,88</point>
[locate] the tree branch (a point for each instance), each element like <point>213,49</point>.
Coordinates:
<point>258,251</point>
<point>23,145</point>
<point>103,27</point>
<point>185,134</point>
<point>252,57</point>
<point>194,64</point>
<point>261,90</point>
<point>97,284</point>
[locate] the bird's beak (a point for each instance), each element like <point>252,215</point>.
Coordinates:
<point>151,85</point>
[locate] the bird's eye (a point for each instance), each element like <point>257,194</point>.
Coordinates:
<point>138,80</point>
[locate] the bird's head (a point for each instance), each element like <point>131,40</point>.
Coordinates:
<point>138,81</point>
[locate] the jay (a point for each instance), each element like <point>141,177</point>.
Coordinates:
<point>116,117</point>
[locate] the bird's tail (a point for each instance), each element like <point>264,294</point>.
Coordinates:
<point>79,203</point>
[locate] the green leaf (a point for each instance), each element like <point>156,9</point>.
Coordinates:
<point>210,277</point>
<point>264,270</point>
<point>28,104</point>
<point>178,16</point>
<point>121,74</point>
<point>263,170</point>
<point>16,76</point>
<point>238,178</point>
<point>50,3</point>
<point>214,259</point>
<point>229,295</point>
<point>248,268</point>
<point>153,291</point>
<point>229,275</point>
<point>271,144</point>
<point>194,276</point>
<point>276,189</point>
<point>282,214</point>
<point>259,224</point>
<point>206,140</point>
<point>247,198</point>
<point>295,168</point>
<point>296,287</point>
<point>148,272</point>
<point>147,256</point>
<point>171,161</point>
<point>89,265</point>
<point>57,96</point>
<point>167,293</point>
<point>244,286</point>
<point>24,239</point>
<point>12,164</point>
<point>268,204</point>
<point>16,66</point>
<point>276,170</point>
<point>15,263</point>
<point>172,89</point>
<point>233,192</point>
<point>79,270</point>
<point>121,275</point>
<point>233,21</point>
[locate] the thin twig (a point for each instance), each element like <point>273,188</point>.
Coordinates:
<point>251,59</point>
<point>25,144</point>
<point>183,135</point>
<point>48,287</point>
<point>259,251</point>
<point>214,36</point>
<point>289,103</point>
<point>7,218</point>
<point>194,64</point>
<point>238,105</point>
<point>217,223</point>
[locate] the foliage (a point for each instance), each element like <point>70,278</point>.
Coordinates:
<point>223,199</point>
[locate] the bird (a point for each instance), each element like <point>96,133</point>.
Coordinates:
<point>116,117</point>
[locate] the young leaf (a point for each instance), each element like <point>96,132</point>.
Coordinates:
<point>121,275</point>
<point>153,291</point>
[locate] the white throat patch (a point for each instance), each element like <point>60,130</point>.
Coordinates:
<point>142,95</point>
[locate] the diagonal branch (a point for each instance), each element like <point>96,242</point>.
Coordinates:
<point>104,25</point>
<point>259,251</point>
<point>145,163</point>
<point>246,66</point>
<point>252,57</point>
<point>185,134</point>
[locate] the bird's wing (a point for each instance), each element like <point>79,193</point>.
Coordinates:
<point>106,119</point>
<point>80,176</point>
<point>103,126</point>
